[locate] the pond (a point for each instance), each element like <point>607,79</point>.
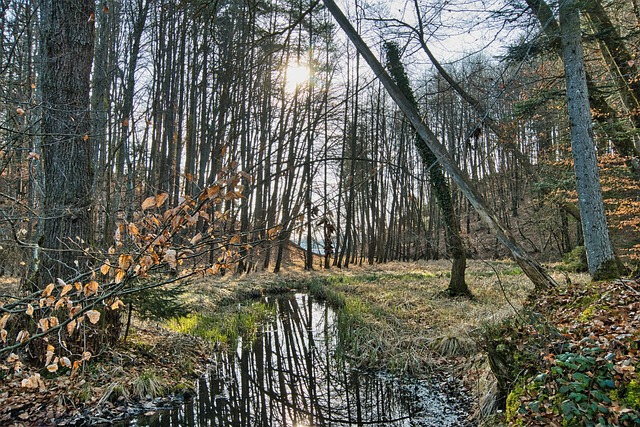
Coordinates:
<point>289,377</point>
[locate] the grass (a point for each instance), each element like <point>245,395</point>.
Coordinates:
<point>225,326</point>
<point>395,316</point>
<point>148,384</point>
<point>400,318</point>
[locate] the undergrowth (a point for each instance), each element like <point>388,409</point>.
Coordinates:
<point>584,374</point>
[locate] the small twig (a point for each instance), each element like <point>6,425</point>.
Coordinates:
<point>504,292</point>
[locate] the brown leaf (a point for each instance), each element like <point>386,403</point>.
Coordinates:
<point>91,288</point>
<point>12,358</point>
<point>64,361</point>
<point>170,258</point>
<point>43,324</point>
<point>49,356</point>
<point>192,220</point>
<point>125,261</point>
<point>71,326</point>
<point>195,239</point>
<point>120,276</point>
<point>33,381</point>
<point>74,310</point>
<point>161,199</point>
<point>65,290</point>
<point>146,262</point>
<point>116,304</point>
<point>105,268</point>
<point>22,336</point>
<point>93,316</point>
<point>47,291</point>
<point>54,366</point>
<point>29,310</point>
<point>3,320</point>
<point>149,202</point>
<point>20,111</point>
<point>60,302</point>
<point>3,335</point>
<point>133,230</point>
<point>86,356</point>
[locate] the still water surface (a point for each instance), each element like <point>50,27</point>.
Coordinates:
<point>289,377</point>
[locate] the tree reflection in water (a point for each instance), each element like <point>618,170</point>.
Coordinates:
<point>289,377</point>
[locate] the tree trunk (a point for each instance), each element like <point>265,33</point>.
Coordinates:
<point>67,30</point>
<point>530,267</point>
<point>455,246</point>
<point>606,114</point>
<point>600,257</point>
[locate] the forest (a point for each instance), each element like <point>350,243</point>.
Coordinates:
<point>175,174</point>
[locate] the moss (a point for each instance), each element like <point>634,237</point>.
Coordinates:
<point>610,269</point>
<point>633,395</point>
<point>186,389</point>
<point>576,260</point>
<point>587,314</point>
<point>513,402</point>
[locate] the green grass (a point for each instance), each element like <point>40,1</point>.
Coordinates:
<point>226,326</point>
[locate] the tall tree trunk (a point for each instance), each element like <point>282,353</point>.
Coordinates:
<point>531,268</point>
<point>600,257</point>
<point>606,114</point>
<point>67,31</point>
<point>439,185</point>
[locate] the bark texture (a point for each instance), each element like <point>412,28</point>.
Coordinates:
<point>67,31</point>
<point>600,256</point>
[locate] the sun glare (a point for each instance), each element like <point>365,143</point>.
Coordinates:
<point>297,74</point>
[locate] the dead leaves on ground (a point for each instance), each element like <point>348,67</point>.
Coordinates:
<point>594,360</point>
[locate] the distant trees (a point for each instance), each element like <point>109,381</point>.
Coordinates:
<point>184,93</point>
<point>438,182</point>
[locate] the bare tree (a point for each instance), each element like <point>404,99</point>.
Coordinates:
<point>530,267</point>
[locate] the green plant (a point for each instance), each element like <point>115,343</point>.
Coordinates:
<point>580,387</point>
<point>227,326</point>
<point>513,402</point>
<point>159,303</point>
<point>319,288</point>
<point>576,260</point>
<point>633,395</point>
<point>148,384</point>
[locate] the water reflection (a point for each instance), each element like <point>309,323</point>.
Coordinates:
<point>289,377</point>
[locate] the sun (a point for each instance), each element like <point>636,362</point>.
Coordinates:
<point>297,74</point>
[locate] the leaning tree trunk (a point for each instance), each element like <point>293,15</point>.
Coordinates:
<point>439,185</point>
<point>67,31</point>
<point>531,268</point>
<point>600,257</point>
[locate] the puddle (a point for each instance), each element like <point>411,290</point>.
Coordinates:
<point>289,377</point>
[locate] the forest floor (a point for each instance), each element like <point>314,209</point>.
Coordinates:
<point>405,322</point>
